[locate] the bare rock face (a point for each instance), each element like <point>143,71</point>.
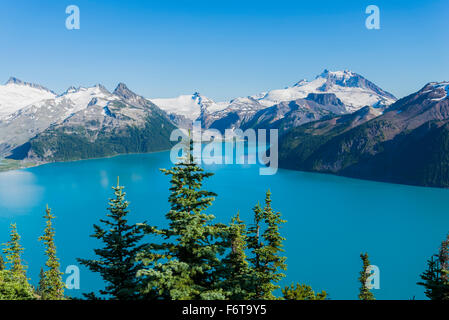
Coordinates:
<point>287,115</point>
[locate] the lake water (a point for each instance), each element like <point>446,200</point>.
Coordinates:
<point>331,220</point>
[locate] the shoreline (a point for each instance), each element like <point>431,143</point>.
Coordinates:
<point>21,166</point>
<point>38,164</point>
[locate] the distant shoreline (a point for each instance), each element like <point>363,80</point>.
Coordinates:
<point>20,164</point>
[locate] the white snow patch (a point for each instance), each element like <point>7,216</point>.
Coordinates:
<point>442,85</point>
<point>189,106</point>
<point>14,97</point>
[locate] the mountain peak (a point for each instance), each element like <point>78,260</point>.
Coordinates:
<point>439,85</point>
<point>349,79</point>
<point>196,96</point>
<point>341,74</point>
<point>122,91</point>
<point>16,81</point>
<point>436,90</point>
<point>71,89</point>
<point>101,87</point>
<point>323,74</point>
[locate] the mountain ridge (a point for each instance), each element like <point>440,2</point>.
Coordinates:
<point>353,90</point>
<point>408,143</point>
<point>90,118</point>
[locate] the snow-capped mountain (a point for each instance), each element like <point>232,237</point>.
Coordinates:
<point>22,121</point>
<point>189,106</point>
<point>83,123</point>
<point>353,90</point>
<point>304,101</point>
<point>16,94</point>
<point>27,110</point>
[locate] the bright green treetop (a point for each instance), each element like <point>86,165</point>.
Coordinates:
<point>238,283</point>
<point>302,292</point>
<point>13,252</point>
<point>14,284</point>
<point>365,292</point>
<point>436,277</point>
<point>266,245</point>
<point>51,286</point>
<point>116,261</point>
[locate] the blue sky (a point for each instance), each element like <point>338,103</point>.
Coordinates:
<point>222,49</point>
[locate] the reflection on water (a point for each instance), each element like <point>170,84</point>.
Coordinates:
<point>19,192</point>
<point>104,180</point>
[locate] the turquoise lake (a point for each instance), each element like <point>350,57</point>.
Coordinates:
<point>331,219</point>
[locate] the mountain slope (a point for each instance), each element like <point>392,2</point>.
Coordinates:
<point>239,111</point>
<point>286,115</point>
<point>32,119</point>
<point>122,122</point>
<point>351,88</point>
<point>407,144</point>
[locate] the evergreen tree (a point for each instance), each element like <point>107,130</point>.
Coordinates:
<point>436,277</point>
<point>365,292</point>
<point>444,260</point>
<point>116,261</point>
<point>2,263</point>
<point>13,252</point>
<point>266,245</point>
<point>13,287</point>
<point>14,284</point>
<point>237,283</point>
<point>302,292</point>
<point>255,245</point>
<point>41,284</point>
<point>185,265</point>
<point>51,286</point>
